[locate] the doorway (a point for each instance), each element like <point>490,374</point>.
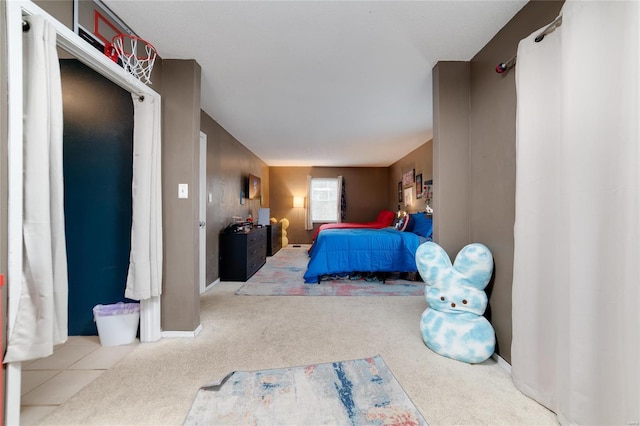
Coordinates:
<point>98,169</point>
<point>150,329</point>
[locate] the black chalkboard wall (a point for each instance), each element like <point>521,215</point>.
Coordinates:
<point>98,161</point>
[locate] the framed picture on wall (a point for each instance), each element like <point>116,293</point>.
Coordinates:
<point>419,186</point>
<point>400,191</point>
<point>408,196</point>
<point>407,178</point>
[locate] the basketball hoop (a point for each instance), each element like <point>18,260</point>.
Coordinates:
<point>138,64</point>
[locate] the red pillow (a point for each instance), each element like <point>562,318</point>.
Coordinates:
<point>385,217</point>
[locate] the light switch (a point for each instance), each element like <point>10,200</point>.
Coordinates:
<point>183,190</point>
<point>210,197</point>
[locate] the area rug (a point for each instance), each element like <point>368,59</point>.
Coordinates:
<point>282,275</point>
<point>357,392</point>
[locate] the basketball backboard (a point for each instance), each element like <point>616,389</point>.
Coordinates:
<point>96,24</point>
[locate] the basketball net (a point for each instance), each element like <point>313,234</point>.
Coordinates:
<point>135,63</point>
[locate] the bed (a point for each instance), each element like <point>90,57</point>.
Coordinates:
<point>385,218</point>
<point>345,251</point>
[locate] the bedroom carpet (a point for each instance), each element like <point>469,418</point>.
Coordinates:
<point>156,383</point>
<point>356,392</point>
<point>282,276</point>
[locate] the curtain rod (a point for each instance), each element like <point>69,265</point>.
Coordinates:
<point>504,66</point>
<point>550,28</point>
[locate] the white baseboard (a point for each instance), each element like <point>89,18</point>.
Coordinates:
<point>198,330</point>
<point>193,333</point>
<point>502,363</point>
<point>211,285</point>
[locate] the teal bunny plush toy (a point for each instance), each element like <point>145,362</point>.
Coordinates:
<point>453,325</point>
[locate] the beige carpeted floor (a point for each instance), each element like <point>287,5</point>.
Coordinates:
<point>156,383</point>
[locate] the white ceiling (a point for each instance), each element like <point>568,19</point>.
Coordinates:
<point>319,83</point>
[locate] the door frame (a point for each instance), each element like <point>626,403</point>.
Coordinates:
<point>150,328</point>
<point>202,214</point>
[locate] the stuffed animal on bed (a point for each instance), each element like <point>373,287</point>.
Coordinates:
<point>453,325</point>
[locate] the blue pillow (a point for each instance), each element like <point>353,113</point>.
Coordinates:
<point>421,225</point>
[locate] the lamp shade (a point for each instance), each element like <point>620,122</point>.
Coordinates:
<point>298,201</point>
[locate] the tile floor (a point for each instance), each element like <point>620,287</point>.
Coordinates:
<point>48,382</point>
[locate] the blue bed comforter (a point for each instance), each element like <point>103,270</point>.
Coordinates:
<point>338,251</point>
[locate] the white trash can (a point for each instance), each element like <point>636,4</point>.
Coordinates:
<point>118,323</point>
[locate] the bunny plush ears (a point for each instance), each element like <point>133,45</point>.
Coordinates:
<point>453,325</point>
<point>472,267</point>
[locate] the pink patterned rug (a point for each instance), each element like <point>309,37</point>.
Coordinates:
<point>282,276</point>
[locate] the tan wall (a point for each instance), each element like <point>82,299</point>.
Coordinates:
<point>228,165</point>
<point>180,164</point>
<point>451,155</point>
<point>365,189</point>
<point>62,10</point>
<point>475,186</point>
<point>420,160</point>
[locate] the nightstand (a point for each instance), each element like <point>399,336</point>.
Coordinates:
<point>274,238</point>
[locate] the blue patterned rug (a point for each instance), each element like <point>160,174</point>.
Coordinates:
<point>282,275</point>
<point>358,392</point>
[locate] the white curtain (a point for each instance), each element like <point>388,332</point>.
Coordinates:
<point>308,223</point>
<point>340,195</point>
<point>41,319</point>
<point>576,300</point>
<point>144,279</point>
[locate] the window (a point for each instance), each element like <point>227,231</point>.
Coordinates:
<point>324,200</point>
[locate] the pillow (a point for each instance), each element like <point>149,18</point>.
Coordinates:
<point>422,225</point>
<point>404,224</point>
<point>397,217</point>
<point>385,217</point>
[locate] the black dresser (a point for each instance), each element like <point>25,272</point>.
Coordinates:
<point>242,254</point>
<point>274,238</point>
